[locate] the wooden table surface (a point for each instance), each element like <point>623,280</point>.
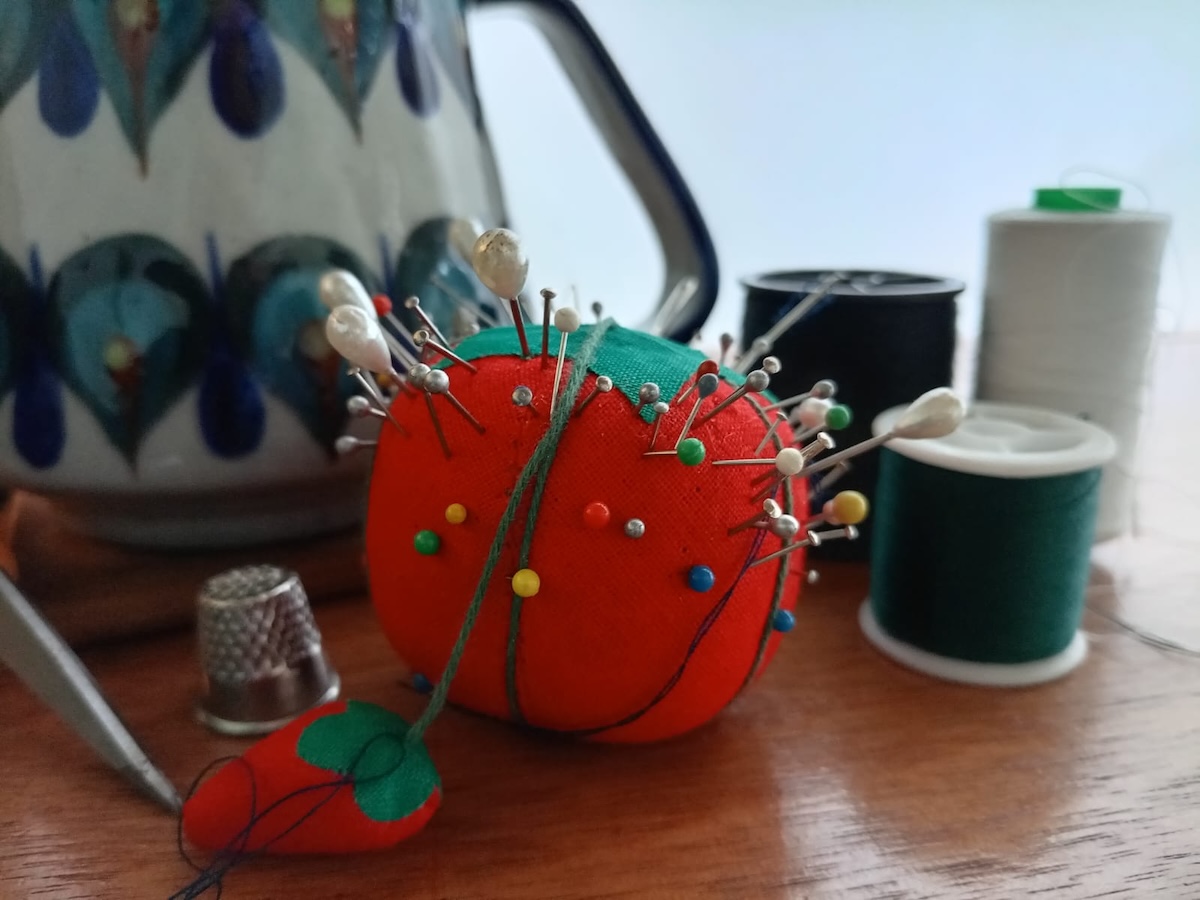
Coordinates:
<point>839,774</point>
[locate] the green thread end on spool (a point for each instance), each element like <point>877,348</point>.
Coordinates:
<point>982,543</point>
<point>1080,199</point>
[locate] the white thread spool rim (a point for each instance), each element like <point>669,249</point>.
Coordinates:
<point>964,671</point>
<point>1005,440</point>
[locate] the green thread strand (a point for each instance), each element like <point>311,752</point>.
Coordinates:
<point>789,504</point>
<point>979,568</point>
<point>543,453</point>
<point>547,450</point>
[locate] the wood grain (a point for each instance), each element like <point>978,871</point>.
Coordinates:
<point>838,775</point>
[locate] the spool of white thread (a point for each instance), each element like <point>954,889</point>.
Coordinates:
<point>1069,314</point>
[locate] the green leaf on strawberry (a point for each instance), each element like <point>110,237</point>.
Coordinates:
<point>392,776</point>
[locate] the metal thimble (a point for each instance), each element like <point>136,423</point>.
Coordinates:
<point>260,651</point>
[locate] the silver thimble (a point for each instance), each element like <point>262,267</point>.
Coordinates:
<point>260,651</point>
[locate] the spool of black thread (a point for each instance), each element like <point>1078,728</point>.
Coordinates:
<point>884,337</point>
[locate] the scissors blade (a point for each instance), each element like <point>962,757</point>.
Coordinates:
<point>42,659</point>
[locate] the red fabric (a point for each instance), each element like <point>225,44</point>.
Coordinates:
<point>614,617</point>
<point>221,807</point>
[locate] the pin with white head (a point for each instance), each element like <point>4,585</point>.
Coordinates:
<point>822,443</point>
<point>413,305</point>
<point>780,418</point>
<point>566,320</point>
<point>339,287</point>
<point>348,443</point>
<point>648,394</point>
<point>547,310</point>
<point>770,510</point>
<point>359,339</point>
<point>603,385</point>
<point>823,390</point>
<point>706,386</point>
<point>360,407</point>
<point>787,458</point>
<point>934,414</point>
<point>763,344</point>
<point>522,396</point>
<point>756,382</point>
<point>424,340</point>
<point>707,367</point>
<point>771,365</point>
<point>501,264</point>
<point>726,344</point>
<point>661,408</point>
<point>438,382</point>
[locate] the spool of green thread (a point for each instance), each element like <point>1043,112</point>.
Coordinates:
<point>979,561</point>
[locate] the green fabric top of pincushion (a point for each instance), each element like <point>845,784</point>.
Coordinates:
<point>630,358</point>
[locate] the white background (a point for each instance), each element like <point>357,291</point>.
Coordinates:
<point>869,133</point>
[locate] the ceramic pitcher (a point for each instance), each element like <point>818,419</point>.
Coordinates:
<point>175,175</point>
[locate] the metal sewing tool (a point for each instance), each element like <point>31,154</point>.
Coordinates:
<point>41,658</point>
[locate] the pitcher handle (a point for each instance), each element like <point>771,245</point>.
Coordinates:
<point>691,263</point>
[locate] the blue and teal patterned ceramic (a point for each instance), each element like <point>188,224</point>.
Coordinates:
<point>174,177</point>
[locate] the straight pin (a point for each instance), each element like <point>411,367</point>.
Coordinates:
<point>813,540</point>
<point>823,389</point>
<point>360,407</point>
<point>566,320</point>
<point>779,420</point>
<point>348,444</point>
<point>708,367</point>
<point>765,342</point>
<point>604,384</point>
<point>706,386</point>
<point>681,294</point>
<point>661,409</point>
<point>373,389</point>
<point>463,301</point>
<point>438,382</point>
<point>523,396</point>
<point>756,382</point>
<point>423,339</point>
<point>413,304</point>
<point>598,310</point>
<point>437,423</point>
<point>770,510</point>
<point>726,344</point>
<point>648,394</point>
<point>547,296</point>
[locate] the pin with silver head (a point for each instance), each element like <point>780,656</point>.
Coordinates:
<point>706,386</point>
<point>438,382</point>
<point>766,341</point>
<point>360,407</point>
<point>934,414</point>
<point>756,382</point>
<point>598,310</point>
<point>812,539</point>
<point>779,420</point>
<point>661,408</point>
<point>547,310</point>
<point>425,341</point>
<point>413,305</point>
<point>822,442</point>
<point>566,320</point>
<point>603,385</point>
<point>522,396</point>
<point>708,367</point>
<point>785,526</point>
<point>772,365</point>
<point>648,394</point>
<point>726,344</point>
<point>771,510</point>
<point>501,264</point>
<point>635,528</point>
<point>823,389</point>
<point>348,444</point>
